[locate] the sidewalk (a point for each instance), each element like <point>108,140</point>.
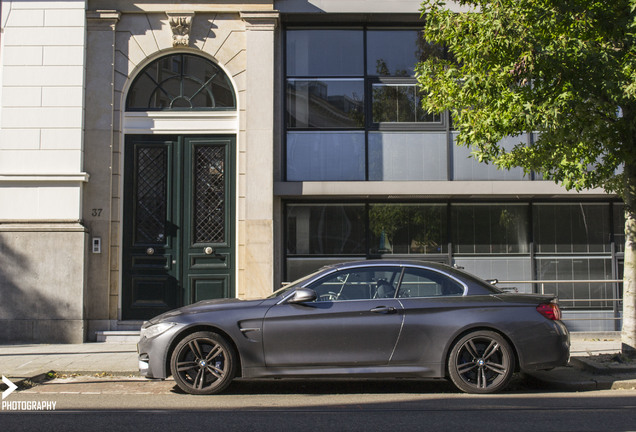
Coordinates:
<point>20,362</point>
<point>33,362</point>
<point>589,368</point>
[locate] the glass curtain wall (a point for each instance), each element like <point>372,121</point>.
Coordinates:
<point>564,242</point>
<point>573,242</point>
<point>353,111</point>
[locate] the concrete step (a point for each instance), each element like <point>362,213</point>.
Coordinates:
<point>118,336</point>
<point>126,325</point>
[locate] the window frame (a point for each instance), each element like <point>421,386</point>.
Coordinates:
<point>147,70</point>
<point>442,275</point>
<point>396,279</point>
<point>368,80</point>
<point>422,126</point>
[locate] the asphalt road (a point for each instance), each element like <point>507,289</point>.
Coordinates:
<point>133,404</point>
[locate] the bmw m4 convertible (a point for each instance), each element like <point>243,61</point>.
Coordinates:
<point>360,319</point>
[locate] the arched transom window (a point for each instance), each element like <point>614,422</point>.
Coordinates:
<point>181,82</point>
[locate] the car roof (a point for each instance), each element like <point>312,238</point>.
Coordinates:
<point>388,263</point>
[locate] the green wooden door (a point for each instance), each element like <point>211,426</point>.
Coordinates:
<point>178,227</point>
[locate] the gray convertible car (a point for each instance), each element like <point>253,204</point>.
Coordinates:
<point>360,319</point>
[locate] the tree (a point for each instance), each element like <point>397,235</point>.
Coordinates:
<point>563,69</point>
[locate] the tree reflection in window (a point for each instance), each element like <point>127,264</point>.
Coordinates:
<point>181,82</point>
<point>400,103</point>
<point>408,229</point>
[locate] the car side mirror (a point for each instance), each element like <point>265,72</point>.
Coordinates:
<point>303,295</point>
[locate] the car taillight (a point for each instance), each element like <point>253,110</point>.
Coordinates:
<point>550,310</point>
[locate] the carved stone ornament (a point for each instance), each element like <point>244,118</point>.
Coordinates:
<point>181,24</point>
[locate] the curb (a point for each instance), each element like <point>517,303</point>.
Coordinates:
<point>98,372</point>
<point>563,379</point>
<point>583,363</point>
<point>28,382</point>
<point>583,374</point>
<point>24,383</point>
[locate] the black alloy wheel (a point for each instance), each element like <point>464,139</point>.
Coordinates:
<point>481,362</point>
<point>203,363</point>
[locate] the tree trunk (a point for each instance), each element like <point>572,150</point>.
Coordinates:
<point>628,335</point>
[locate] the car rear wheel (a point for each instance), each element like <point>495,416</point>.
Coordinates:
<point>203,363</point>
<point>481,362</point>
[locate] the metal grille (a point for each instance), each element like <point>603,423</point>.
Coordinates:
<point>151,195</point>
<point>209,198</point>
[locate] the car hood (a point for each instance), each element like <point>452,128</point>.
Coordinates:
<point>206,306</point>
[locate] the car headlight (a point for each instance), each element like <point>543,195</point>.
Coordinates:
<point>156,329</point>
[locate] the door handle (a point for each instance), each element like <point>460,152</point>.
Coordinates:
<point>384,309</point>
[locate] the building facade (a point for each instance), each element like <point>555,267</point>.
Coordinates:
<point>155,153</point>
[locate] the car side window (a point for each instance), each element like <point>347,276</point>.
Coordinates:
<point>358,284</point>
<point>428,283</point>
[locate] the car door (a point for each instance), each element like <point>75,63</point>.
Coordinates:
<point>434,309</point>
<point>347,325</point>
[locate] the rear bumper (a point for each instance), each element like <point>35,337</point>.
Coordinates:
<point>555,352</point>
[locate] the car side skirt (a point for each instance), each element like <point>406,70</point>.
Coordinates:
<point>420,371</point>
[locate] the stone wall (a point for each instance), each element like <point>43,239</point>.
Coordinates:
<point>42,283</point>
<point>42,242</point>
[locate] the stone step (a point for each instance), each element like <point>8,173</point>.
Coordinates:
<point>118,336</point>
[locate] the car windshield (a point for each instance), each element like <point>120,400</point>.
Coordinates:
<point>294,284</point>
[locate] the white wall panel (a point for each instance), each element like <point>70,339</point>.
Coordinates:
<point>45,76</point>
<point>22,55</point>
<point>21,96</point>
<point>14,139</point>
<point>40,202</point>
<point>63,56</point>
<point>62,97</point>
<point>40,162</point>
<point>41,117</point>
<point>43,36</point>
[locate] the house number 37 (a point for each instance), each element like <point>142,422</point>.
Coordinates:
<point>96,212</point>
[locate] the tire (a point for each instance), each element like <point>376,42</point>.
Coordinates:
<point>481,362</point>
<point>203,363</point>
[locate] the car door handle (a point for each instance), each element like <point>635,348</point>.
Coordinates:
<point>384,309</point>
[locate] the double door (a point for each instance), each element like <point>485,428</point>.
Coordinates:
<point>178,223</point>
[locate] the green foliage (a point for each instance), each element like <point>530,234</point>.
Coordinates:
<point>563,69</point>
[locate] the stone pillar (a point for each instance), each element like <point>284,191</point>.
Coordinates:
<point>98,161</point>
<point>257,230</point>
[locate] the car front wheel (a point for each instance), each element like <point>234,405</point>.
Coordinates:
<point>481,362</point>
<point>203,363</point>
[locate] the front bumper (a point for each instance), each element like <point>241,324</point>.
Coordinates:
<point>153,353</point>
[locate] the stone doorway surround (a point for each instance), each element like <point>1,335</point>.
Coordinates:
<point>241,39</point>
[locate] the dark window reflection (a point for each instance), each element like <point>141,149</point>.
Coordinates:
<point>325,53</point>
<point>325,103</point>
<point>619,227</point>
<point>396,52</point>
<point>325,229</point>
<point>181,82</point>
<point>490,229</point>
<point>571,228</point>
